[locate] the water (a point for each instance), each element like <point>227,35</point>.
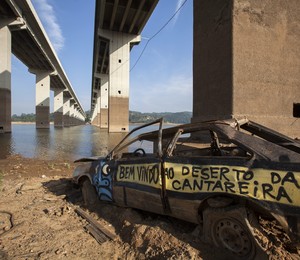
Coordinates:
<point>68,143</point>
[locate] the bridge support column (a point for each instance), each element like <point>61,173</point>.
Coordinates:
<point>94,116</point>
<point>98,121</point>
<point>71,114</point>
<point>119,49</point>
<point>42,100</point>
<point>58,108</point>
<point>246,62</point>
<point>66,110</point>
<point>81,118</point>
<point>104,101</point>
<point>5,79</point>
<point>76,121</point>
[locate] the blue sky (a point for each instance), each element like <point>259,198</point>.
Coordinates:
<point>160,82</point>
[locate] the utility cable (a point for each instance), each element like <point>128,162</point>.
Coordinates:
<point>154,35</point>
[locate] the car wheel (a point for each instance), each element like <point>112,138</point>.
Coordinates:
<point>231,229</point>
<point>89,193</point>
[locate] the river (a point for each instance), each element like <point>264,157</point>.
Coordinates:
<point>68,143</point>
<point>56,143</point>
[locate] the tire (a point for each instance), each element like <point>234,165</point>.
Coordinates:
<point>89,193</point>
<point>231,230</point>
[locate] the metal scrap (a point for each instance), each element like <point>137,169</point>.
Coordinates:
<point>99,232</point>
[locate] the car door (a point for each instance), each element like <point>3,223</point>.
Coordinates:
<point>137,183</point>
<point>196,171</point>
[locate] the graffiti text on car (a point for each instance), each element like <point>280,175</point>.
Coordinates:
<point>142,174</point>
<point>280,186</point>
<point>270,185</point>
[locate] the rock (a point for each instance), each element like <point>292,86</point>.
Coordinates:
<point>55,198</point>
<point>46,211</point>
<point>6,228</point>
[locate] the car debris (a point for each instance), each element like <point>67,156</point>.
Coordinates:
<point>223,175</point>
<point>98,231</point>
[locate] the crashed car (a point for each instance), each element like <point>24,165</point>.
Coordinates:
<point>220,174</point>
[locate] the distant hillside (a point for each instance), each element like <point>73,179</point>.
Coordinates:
<point>175,118</point>
<point>134,117</point>
<point>27,117</point>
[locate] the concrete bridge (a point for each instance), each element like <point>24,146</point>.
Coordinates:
<point>22,34</point>
<point>246,61</point>
<point>118,25</point>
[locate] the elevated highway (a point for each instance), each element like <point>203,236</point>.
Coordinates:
<point>22,34</point>
<point>118,25</point>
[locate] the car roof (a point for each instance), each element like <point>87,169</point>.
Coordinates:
<point>261,140</point>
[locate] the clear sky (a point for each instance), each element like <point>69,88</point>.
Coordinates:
<point>160,82</point>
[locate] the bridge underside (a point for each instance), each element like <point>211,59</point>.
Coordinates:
<point>118,25</point>
<point>22,34</point>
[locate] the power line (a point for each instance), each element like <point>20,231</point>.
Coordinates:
<point>154,35</point>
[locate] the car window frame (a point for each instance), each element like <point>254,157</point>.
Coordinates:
<point>123,144</point>
<point>217,134</point>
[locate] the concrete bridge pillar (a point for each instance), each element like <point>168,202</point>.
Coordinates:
<point>42,107</point>
<point>246,62</point>
<point>104,101</point>
<point>75,114</point>
<point>71,114</point>
<point>81,119</point>
<point>5,79</point>
<point>94,115</point>
<point>58,107</point>
<point>66,109</point>
<point>119,65</point>
<point>77,121</point>
<point>98,116</point>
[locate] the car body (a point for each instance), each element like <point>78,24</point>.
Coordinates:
<point>182,170</point>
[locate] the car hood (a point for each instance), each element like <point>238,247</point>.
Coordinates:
<point>89,159</point>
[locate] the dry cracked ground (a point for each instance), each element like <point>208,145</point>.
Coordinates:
<point>38,220</point>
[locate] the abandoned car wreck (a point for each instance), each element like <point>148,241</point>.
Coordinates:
<point>223,175</point>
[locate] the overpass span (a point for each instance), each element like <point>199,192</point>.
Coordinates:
<point>118,25</point>
<point>22,34</point>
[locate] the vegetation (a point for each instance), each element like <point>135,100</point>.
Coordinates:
<point>134,117</point>
<point>27,117</point>
<point>23,118</point>
<point>88,116</point>
<point>175,118</point>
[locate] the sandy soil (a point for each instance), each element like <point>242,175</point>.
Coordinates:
<point>38,221</point>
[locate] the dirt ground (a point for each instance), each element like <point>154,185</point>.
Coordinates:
<point>38,221</point>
